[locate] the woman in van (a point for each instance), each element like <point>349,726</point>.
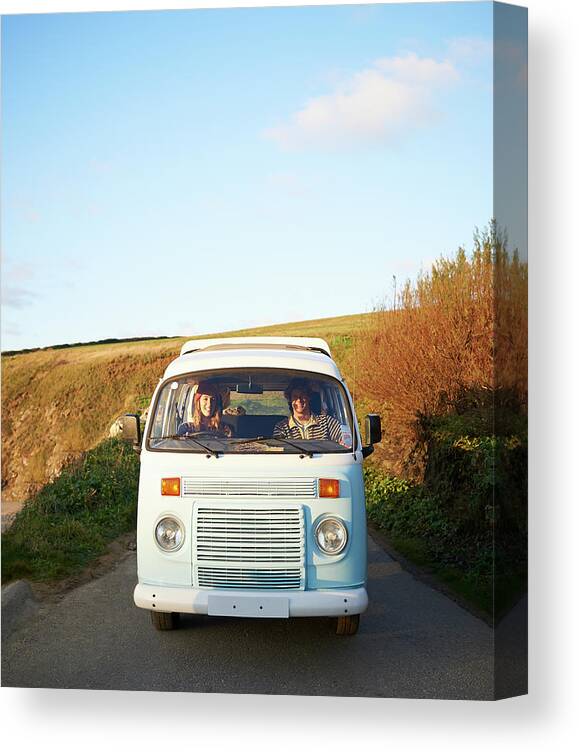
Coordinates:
<point>207,412</point>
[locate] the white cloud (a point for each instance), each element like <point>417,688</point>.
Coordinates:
<point>412,69</point>
<point>374,105</point>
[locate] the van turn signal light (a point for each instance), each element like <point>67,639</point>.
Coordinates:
<point>171,487</point>
<point>329,488</point>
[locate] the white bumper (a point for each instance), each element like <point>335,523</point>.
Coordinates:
<point>252,603</point>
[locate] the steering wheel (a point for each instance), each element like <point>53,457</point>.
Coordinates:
<point>209,434</point>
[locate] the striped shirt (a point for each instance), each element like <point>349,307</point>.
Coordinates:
<point>318,427</point>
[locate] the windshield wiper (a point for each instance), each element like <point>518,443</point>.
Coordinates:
<point>184,437</point>
<point>295,446</point>
<point>271,438</point>
<point>246,441</point>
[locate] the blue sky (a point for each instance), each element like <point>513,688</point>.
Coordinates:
<point>182,172</point>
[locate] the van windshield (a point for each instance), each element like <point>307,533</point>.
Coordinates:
<point>260,411</point>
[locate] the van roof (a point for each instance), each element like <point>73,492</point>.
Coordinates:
<point>241,343</point>
<point>255,352</point>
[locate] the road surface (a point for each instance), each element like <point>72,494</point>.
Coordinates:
<point>413,642</point>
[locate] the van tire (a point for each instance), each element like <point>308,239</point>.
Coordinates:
<point>347,625</point>
<point>163,620</point>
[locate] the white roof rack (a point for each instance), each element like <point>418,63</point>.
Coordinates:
<point>239,343</point>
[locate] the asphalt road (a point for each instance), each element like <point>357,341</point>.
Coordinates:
<point>413,642</point>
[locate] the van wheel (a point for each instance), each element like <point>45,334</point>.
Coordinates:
<point>162,620</point>
<point>347,625</point>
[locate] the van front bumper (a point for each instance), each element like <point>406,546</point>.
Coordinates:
<point>252,603</point>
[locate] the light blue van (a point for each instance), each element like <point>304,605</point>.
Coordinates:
<point>251,495</point>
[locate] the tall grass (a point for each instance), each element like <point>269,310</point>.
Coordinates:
<point>455,341</point>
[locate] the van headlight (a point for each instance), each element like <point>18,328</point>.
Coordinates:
<point>331,535</point>
<point>169,534</point>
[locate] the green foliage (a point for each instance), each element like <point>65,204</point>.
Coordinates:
<point>467,521</point>
<point>480,473</point>
<point>422,527</point>
<point>71,520</point>
<point>404,508</point>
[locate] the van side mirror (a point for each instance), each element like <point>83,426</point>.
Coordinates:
<point>131,430</point>
<point>373,433</point>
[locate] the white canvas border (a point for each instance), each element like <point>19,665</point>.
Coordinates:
<point>121,719</point>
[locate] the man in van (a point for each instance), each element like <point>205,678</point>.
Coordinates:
<point>303,423</point>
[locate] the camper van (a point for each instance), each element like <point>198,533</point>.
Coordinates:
<point>251,495</point>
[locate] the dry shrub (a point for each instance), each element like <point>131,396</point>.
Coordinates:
<point>456,339</point>
<point>511,335</point>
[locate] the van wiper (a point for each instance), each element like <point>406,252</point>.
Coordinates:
<point>295,446</point>
<point>253,440</point>
<point>271,438</point>
<point>247,440</point>
<point>184,437</point>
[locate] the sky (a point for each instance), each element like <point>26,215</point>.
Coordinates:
<point>185,172</point>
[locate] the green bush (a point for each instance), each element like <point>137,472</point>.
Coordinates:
<point>483,476</point>
<point>71,520</point>
<point>403,508</point>
<point>468,519</point>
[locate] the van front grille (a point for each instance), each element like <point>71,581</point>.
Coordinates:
<point>243,487</point>
<point>259,548</point>
<point>250,579</point>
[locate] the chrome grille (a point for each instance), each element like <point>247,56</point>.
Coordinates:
<point>260,487</point>
<point>250,579</point>
<point>236,546</point>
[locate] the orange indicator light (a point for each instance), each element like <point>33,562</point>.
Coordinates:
<point>171,487</point>
<point>329,488</point>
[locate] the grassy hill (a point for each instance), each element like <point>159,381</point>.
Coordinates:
<point>57,403</point>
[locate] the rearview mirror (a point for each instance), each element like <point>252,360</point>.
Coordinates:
<point>249,388</point>
<point>131,429</point>
<point>373,433</point>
